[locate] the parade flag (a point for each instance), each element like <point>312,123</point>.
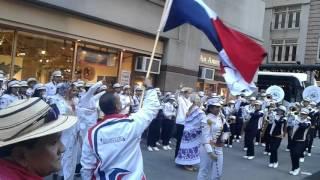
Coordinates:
<point>240,57</point>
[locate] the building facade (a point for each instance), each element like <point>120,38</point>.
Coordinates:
<point>113,39</point>
<point>285,31</point>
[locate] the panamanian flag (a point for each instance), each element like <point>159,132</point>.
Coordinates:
<point>240,56</point>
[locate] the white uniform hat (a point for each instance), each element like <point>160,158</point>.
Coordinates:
<point>126,87</point>
<point>138,88</point>
<point>14,83</point>
<point>263,95</point>
<point>282,108</point>
<point>304,111</point>
<point>258,103</point>
<point>57,73</point>
<point>214,102</point>
<point>39,86</point>
<point>186,89</point>
<point>201,93</point>
<point>117,85</point>
<point>31,79</point>
<point>252,99</point>
<point>313,103</point>
<point>306,100</point>
<point>232,102</point>
<point>24,84</point>
<point>172,97</point>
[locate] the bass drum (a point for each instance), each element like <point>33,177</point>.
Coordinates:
<point>312,93</point>
<point>276,92</point>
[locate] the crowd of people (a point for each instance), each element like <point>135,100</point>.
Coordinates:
<point>105,140</point>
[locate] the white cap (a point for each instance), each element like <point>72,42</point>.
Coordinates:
<point>263,94</point>
<point>186,89</point>
<point>24,84</point>
<point>201,93</point>
<point>172,97</point>
<point>304,111</point>
<point>306,100</point>
<point>57,73</point>
<point>102,88</point>
<point>117,85</point>
<point>39,86</point>
<point>126,87</point>
<point>1,77</point>
<point>167,94</point>
<point>157,89</point>
<point>214,102</point>
<point>252,99</point>
<point>232,102</point>
<point>14,83</point>
<point>313,103</point>
<point>282,108</point>
<point>31,79</point>
<point>79,83</point>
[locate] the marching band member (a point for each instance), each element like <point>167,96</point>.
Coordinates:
<point>51,87</point>
<point>136,99</point>
<point>117,88</point>
<point>268,121</point>
<point>2,79</point>
<point>300,130</point>
<point>251,129</point>
<point>317,120</point>
<point>188,154</point>
<point>277,132</point>
<point>119,155</point>
<point>23,90</point>
<point>239,106</point>
<point>214,132</point>
<point>31,83</point>
<point>183,107</point>
<point>292,116</point>
<point>230,113</point>
<point>126,100</point>
<point>170,113</point>
<point>311,132</point>
<point>11,94</point>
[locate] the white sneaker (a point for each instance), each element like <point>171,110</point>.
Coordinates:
<point>225,145</point>
<point>238,140</point>
<point>301,160</point>
<point>170,142</point>
<point>251,157</point>
<point>230,146</point>
<point>296,172</point>
<point>245,149</point>
<point>240,137</point>
<point>150,148</point>
<point>271,165</point>
<point>256,143</point>
<point>265,153</point>
<point>307,149</point>
<point>287,150</point>
<point>309,154</point>
<point>269,154</point>
<point>169,148</point>
<point>158,144</point>
<point>156,149</point>
<point>275,165</point>
<point>246,157</point>
<point>263,145</point>
<point>291,172</point>
<point>165,148</point>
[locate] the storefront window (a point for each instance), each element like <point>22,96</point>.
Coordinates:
<point>39,55</point>
<point>6,40</point>
<point>96,62</point>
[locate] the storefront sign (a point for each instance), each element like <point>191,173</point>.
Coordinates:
<point>209,59</point>
<point>125,77</point>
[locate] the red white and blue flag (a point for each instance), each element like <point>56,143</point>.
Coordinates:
<point>240,56</point>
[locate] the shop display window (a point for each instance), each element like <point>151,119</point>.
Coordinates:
<point>6,41</point>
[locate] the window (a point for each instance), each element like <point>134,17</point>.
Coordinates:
<point>6,39</point>
<point>286,17</point>
<point>284,51</point>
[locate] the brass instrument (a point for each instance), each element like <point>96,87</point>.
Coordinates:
<point>266,121</point>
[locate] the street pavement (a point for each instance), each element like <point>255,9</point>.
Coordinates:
<point>160,165</point>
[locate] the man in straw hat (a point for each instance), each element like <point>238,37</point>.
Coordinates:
<point>112,147</point>
<point>30,146</point>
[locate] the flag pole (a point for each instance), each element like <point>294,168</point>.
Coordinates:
<point>164,17</point>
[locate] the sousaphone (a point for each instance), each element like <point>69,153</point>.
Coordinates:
<point>312,93</point>
<point>276,92</point>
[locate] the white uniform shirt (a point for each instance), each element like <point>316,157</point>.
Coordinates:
<point>112,147</point>
<point>7,99</point>
<point>169,110</point>
<point>51,89</point>
<point>30,92</point>
<point>125,104</point>
<point>211,131</point>
<point>183,107</point>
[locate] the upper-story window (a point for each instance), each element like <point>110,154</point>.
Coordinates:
<point>286,17</point>
<point>284,51</point>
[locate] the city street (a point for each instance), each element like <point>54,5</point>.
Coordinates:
<point>160,165</point>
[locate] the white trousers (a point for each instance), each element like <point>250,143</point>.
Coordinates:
<point>210,169</point>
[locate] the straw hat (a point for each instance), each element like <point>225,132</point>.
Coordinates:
<point>29,119</point>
